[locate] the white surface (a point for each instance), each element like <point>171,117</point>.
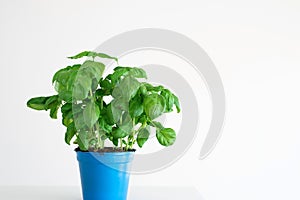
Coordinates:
<point>73,193</point>
<point>254,44</point>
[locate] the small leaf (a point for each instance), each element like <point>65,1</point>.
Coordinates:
<point>51,100</point>
<point>37,103</point>
<point>115,141</point>
<point>137,72</point>
<point>67,118</point>
<point>104,125</point>
<point>119,133</point>
<point>92,54</point>
<point>176,102</point>
<point>53,111</point>
<point>143,136</point>
<point>157,125</point>
<point>166,136</point>
<point>66,107</point>
<point>169,99</point>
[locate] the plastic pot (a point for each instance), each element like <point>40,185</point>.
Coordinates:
<point>104,176</point>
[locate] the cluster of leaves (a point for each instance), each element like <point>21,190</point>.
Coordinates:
<point>119,107</point>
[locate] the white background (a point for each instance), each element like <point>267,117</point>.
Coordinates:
<point>254,44</point>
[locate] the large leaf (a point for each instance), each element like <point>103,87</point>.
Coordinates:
<point>154,105</point>
<point>143,136</point>
<point>93,55</point>
<point>166,136</point>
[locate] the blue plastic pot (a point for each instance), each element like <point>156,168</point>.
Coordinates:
<point>104,176</point>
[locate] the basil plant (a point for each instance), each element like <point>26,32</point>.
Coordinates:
<point>120,107</point>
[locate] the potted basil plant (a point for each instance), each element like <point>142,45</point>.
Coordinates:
<point>106,117</point>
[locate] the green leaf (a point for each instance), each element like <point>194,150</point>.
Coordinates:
<point>137,72</point>
<point>166,136</point>
<point>152,88</point>
<point>143,90</point>
<point>82,86</point>
<point>118,73</point>
<point>53,111</point>
<point>71,131</point>
<point>92,54</point>
<point>105,84</point>
<point>136,107</point>
<point>66,96</point>
<point>115,141</point>
<point>154,105</point>
<point>127,88</point>
<point>79,121</point>
<point>169,99</point>
<point>143,136</point>
<point>111,115</point>
<point>176,102</point>
<point>119,133</point>
<point>67,118</point>
<point>157,125</point>
<point>64,80</point>
<point>38,103</point>
<point>53,103</point>
<point>105,126</point>
<point>62,76</point>
<point>132,71</point>
<point>93,69</point>
<point>91,114</point>
<point>82,141</point>
<point>51,100</point>
<point>66,108</point>
<point>126,124</point>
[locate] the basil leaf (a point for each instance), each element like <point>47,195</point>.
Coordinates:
<point>92,54</point>
<point>91,114</point>
<point>119,133</point>
<point>71,131</point>
<point>176,102</point>
<point>137,72</point>
<point>136,106</point>
<point>38,103</point>
<point>166,136</point>
<point>127,88</point>
<point>154,105</point>
<point>82,141</point>
<point>143,136</point>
